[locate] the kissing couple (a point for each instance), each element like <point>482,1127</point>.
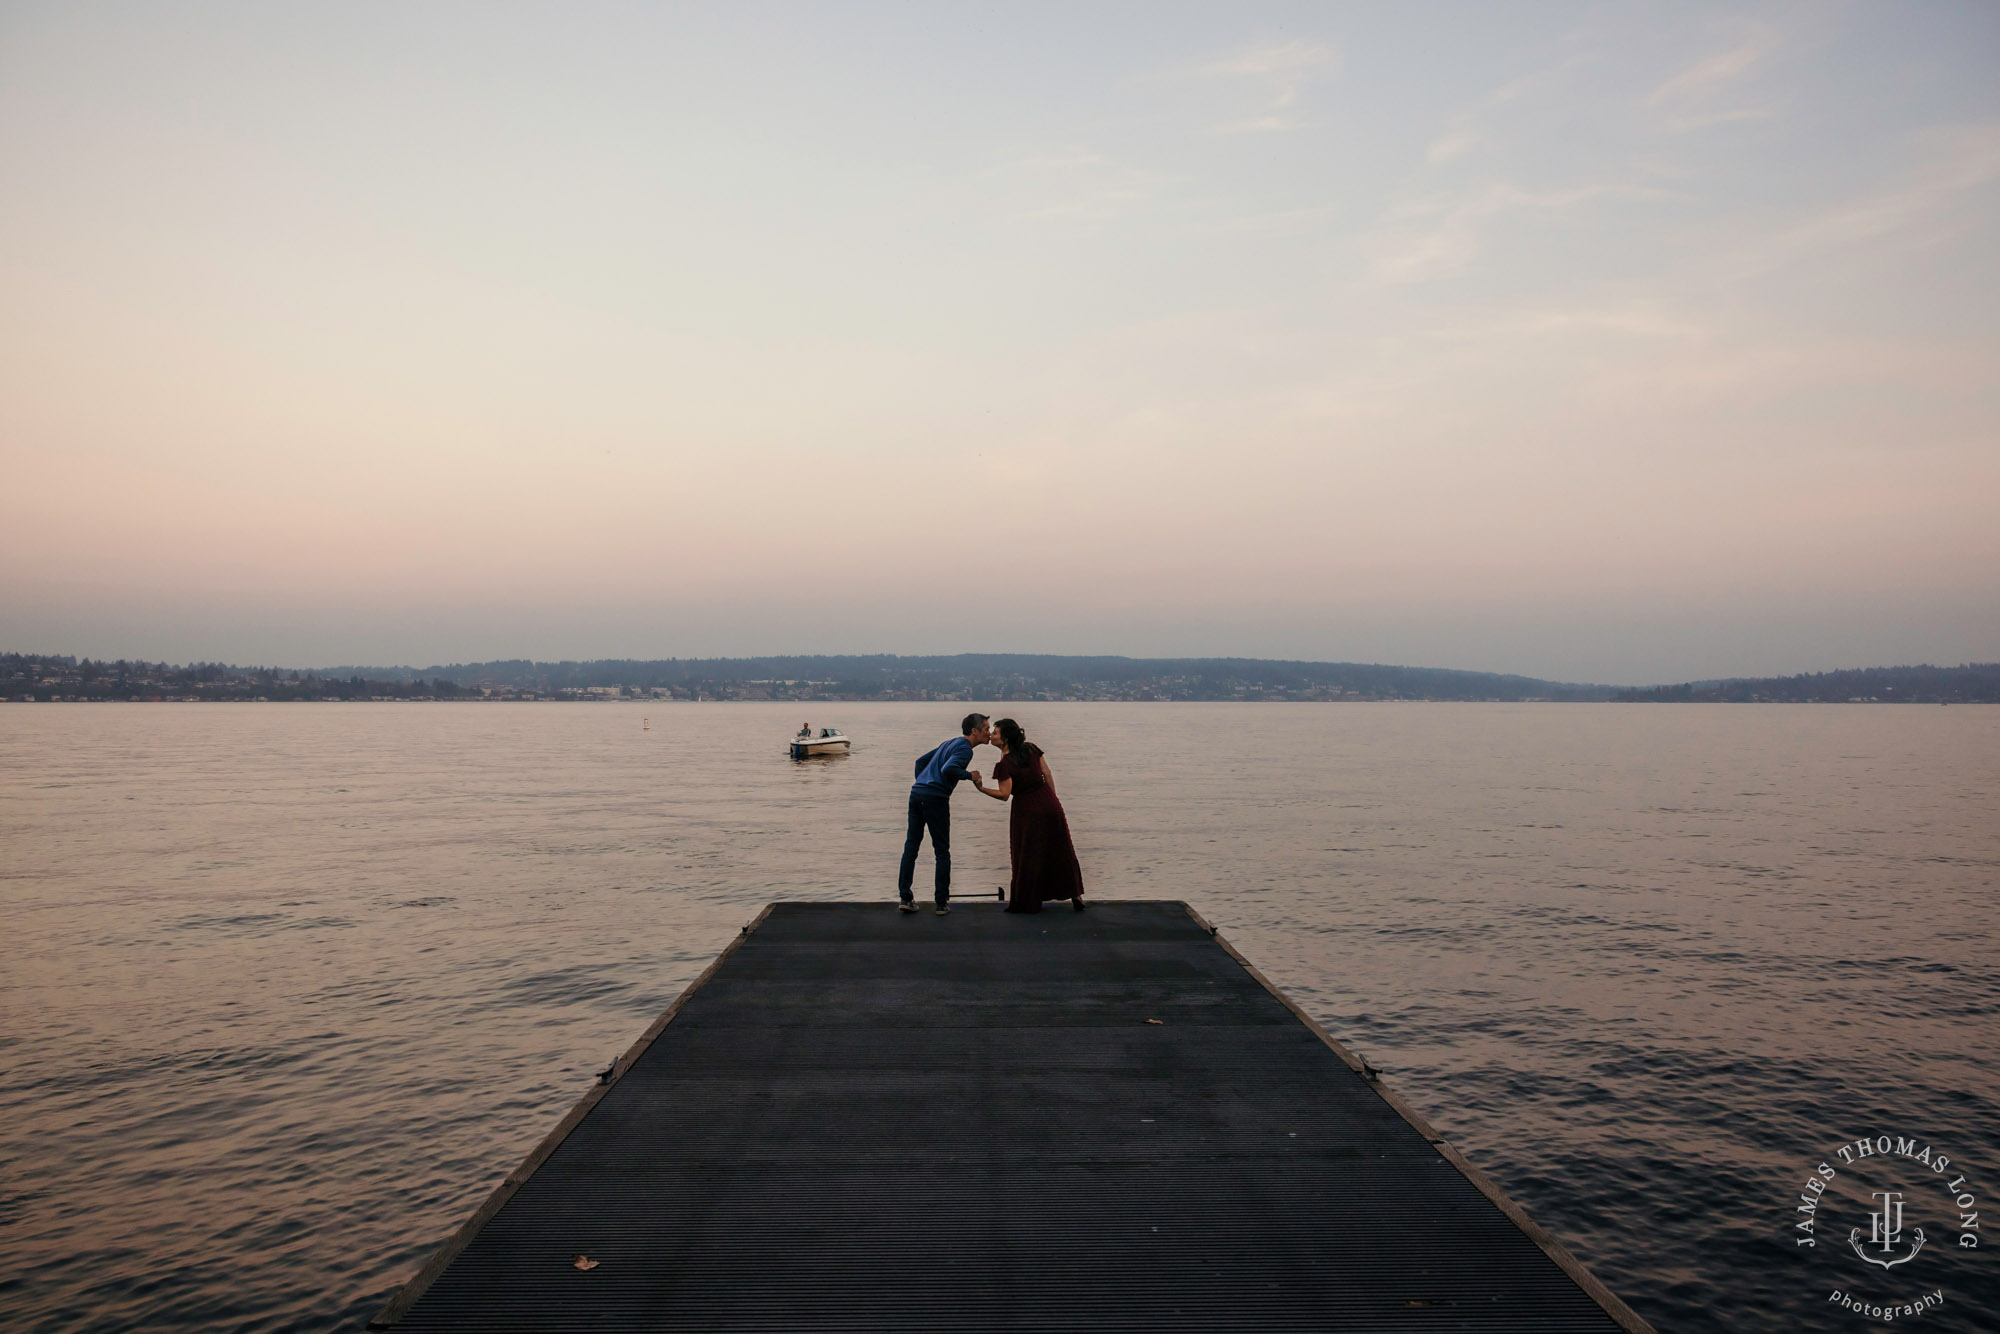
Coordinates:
<point>1038,842</point>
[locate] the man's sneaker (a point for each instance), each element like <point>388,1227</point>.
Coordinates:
<point>942,910</point>
<point>908,905</point>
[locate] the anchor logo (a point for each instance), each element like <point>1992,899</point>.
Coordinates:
<point>1885,1230</point>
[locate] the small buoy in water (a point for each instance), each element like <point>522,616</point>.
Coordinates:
<point>645,724</point>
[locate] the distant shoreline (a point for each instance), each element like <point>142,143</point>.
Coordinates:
<point>882,699</point>
<point>961,678</point>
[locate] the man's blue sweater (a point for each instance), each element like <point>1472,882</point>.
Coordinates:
<point>939,771</point>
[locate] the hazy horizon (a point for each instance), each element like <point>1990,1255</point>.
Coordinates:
<point>419,669</point>
<point>1623,345</point>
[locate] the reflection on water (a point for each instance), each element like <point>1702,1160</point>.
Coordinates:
<point>289,987</point>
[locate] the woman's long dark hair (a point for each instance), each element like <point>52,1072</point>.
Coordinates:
<point>1010,732</point>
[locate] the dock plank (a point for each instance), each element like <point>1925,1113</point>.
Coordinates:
<point>1109,1121</point>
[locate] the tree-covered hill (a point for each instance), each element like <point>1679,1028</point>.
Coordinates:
<point>1973,683</point>
<point>1010,676</point>
<point>966,676</point>
<point>984,676</point>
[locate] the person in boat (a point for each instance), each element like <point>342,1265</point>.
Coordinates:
<point>1038,842</point>
<point>938,772</point>
<point>805,730</point>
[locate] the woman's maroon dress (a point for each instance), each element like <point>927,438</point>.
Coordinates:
<point>1037,835</point>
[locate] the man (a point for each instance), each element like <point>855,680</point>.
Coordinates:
<point>930,808</point>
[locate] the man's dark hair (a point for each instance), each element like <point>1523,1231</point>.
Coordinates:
<point>972,720</point>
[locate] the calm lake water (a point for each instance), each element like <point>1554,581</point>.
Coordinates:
<point>288,988</point>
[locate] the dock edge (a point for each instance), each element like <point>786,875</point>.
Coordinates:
<point>1626,1318</point>
<point>410,1292</point>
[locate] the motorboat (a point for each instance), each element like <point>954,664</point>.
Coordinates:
<point>830,741</point>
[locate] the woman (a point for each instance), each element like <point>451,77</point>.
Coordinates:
<point>1037,830</point>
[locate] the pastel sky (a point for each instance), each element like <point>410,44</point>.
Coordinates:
<point>1604,342</point>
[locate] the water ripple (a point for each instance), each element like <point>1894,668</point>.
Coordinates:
<point>289,987</point>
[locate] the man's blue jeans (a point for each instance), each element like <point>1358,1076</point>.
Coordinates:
<point>931,812</point>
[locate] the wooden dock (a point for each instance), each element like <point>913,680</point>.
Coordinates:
<point>857,1120</point>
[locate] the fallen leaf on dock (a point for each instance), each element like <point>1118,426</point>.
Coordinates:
<point>1156,1021</point>
<point>585,1262</point>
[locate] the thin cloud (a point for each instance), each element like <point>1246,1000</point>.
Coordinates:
<point>1433,240</point>
<point>1284,68</point>
<point>1454,144</point>
<point>1706,75</point>
<point>1687,97</point>
<point>1276,122</point>
<point>1469,129</point>
<point>1280,58</point>
<point>1961,160</point>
